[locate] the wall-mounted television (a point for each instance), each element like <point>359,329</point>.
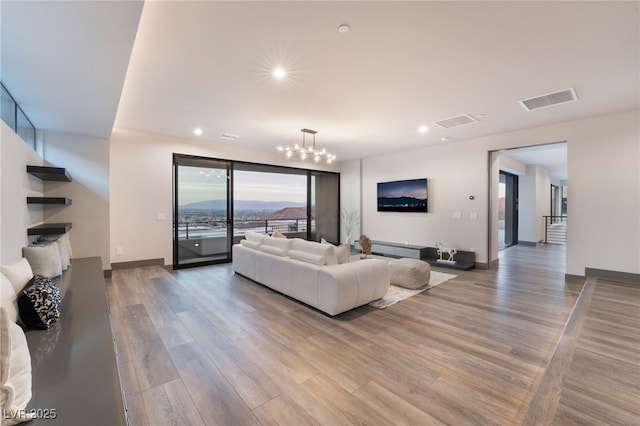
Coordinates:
<point>403,196</point>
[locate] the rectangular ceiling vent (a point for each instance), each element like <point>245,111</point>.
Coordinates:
<point>461,120</point>
<point>556,98</point>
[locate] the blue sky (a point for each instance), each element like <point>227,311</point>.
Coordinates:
<point>203,184</point>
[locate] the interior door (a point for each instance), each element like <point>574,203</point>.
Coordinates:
<point>508,210</point>
<point>203,231</point>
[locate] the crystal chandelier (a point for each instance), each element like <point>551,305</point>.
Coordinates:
<point>304,152</point>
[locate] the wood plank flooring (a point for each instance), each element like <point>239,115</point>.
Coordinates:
<point>204,346</point>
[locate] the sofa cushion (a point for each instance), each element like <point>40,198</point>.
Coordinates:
<point>278,234</point>
<point>250,244</point>
<point>254,236</point>
<point>324,250</point>
<point>303,256</point>
<point>274,250</point>
<point>281,243</point>
<point>18,273</point>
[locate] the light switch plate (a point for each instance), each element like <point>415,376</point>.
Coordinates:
<point>473,215</point>
<point>160,216</point>
<point>456,215</point>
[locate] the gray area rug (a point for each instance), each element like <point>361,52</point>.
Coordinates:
<point>395,294</point>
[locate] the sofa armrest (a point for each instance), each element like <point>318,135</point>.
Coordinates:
<point>343,287</point>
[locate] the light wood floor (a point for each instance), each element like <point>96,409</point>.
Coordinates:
<point>204,346</point>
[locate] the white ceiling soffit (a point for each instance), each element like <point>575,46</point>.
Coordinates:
<point>460,120</point>
<point>65,62</point>
<point>550,99</point>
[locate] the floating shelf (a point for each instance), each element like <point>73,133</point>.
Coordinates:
<point>58,174</point>
<point>49,229</point>
<point>59,201</point>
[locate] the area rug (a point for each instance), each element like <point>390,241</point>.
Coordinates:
<point>395,294</point>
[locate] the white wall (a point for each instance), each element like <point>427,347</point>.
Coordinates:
<point>454,174</point>
<point>17,185</point>
<point>603,200</point>
<point>604,194</point>
<point>350,195</point>
<point>87,161</point>
<point>534,195</point>
<point>141,187</point>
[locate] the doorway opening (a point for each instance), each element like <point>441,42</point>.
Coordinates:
<point>522,198</point>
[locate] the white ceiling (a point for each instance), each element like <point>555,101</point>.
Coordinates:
<point>403,64</point>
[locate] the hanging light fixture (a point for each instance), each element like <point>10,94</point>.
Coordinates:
<point>305,152</point>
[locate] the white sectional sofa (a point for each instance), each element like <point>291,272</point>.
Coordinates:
<point>310,272</point>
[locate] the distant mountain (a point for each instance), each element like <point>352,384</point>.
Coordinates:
<point>254,205</point>
<point>289,213</point>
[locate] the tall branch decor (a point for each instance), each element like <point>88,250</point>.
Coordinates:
<point>350,219</point>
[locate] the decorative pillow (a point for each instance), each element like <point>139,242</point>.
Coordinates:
<point>18,274</point>
<point>250,244</point>
<point>44,260</point>
<point>254,236</point>
<point>65,260</point>
<point>274,250</point>
<point>67,241</point>
<point>39,303</point>
<point>278,234</point>
<point>307,257</point>
<point>343,251</point>
<point>313,247</point>
<point>15,373</point>
<point>8,298</point>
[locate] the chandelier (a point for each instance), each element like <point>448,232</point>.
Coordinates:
<point>304,152</point>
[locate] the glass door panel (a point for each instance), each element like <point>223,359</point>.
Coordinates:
<point>202,211</point>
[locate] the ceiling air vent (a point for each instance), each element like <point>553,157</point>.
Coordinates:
<point>461,120</point>
<point>556,98</point>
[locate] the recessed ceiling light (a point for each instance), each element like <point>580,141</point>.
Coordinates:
<point>279,73</point>
<point>197,131</point>
<point>343,29</point>
<point>423,129</point>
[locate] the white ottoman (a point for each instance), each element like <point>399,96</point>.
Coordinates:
<point>409,273</point>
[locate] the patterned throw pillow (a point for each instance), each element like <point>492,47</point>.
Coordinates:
<point>39,303</point>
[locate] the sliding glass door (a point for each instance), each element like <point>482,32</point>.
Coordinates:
<point>202,211</point>
<point>217,201</point>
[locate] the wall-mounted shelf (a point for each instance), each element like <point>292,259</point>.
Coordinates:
<point>49,229</point>
<point>59,174</point>
<point>58,201</point>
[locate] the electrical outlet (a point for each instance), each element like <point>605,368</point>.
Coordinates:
<point>119,251</point>
<point>456,215</point>
<point>160,216</point>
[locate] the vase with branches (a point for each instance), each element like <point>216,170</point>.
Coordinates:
<point>350,220</point>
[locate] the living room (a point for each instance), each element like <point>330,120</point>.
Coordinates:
<point>122,164</point>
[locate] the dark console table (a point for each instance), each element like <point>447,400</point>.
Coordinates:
<point>465,260</point>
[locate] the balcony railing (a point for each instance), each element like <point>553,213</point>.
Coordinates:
<point>16,119</point>
<point>555,229</point>
<point>218,227</point>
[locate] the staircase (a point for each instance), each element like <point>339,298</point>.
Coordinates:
<point>555,229</point>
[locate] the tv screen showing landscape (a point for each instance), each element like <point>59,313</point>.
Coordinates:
<point>403,196</point>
